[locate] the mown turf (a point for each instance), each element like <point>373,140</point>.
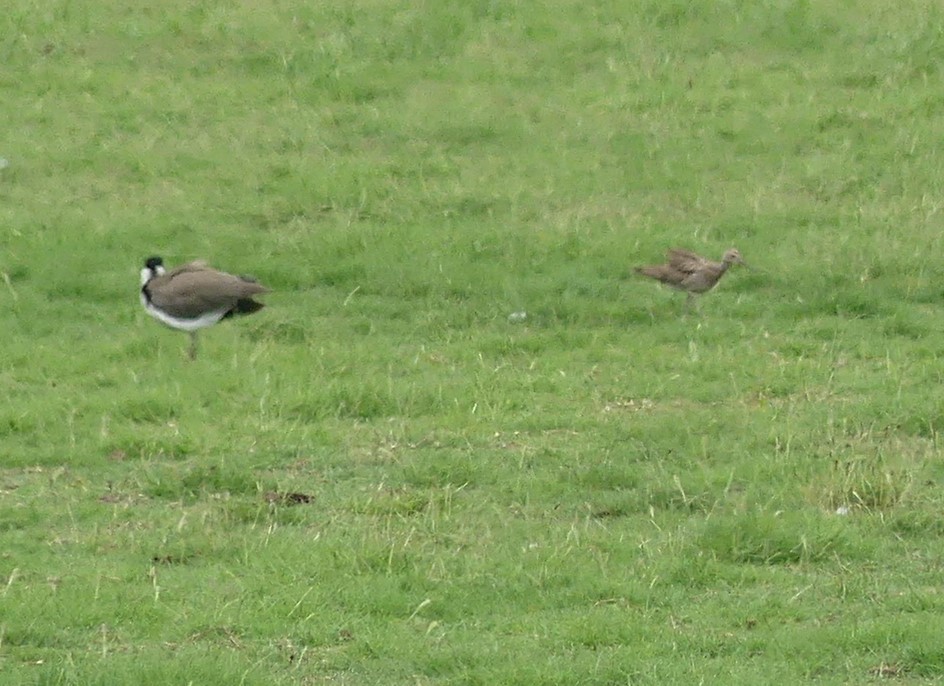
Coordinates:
<point>380,478</point>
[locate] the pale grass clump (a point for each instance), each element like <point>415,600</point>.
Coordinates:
<point>873,471</point>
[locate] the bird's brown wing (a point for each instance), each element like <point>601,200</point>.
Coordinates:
<point>686,261</point>
<point>665,273</point>
<point>195,266</point>
<point>194,289</point>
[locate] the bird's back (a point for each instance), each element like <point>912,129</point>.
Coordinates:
<point>685,271</point>
<point>687,261</point>
<point>665,273</point>
<point>194,289</point>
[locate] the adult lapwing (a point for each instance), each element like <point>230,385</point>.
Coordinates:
<point>195,296</point>
<point>686,271</point>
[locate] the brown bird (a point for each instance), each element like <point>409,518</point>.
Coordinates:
<point>686,271</point>
<point>194,296</point>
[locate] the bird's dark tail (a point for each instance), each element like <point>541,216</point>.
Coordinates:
<point>246,306</point>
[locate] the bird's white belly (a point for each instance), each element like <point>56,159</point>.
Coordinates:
<point>201,322</point>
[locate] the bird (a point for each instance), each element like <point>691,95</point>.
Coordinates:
<point>194,296</point>
<point>692,273</point>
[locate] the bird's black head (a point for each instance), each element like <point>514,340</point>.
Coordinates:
<point>153,263</point>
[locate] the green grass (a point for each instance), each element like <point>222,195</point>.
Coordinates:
<point>381,480</point>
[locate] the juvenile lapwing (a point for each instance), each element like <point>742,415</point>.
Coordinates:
<point>194,296</point>
<point>686,271</point>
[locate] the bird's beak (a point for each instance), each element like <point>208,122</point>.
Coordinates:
<point>745,264</point>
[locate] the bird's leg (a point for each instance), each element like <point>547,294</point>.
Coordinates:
<point>193,345</point>
<point>689,303</point>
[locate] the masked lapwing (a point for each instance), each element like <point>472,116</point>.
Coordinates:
<point>195,296</point>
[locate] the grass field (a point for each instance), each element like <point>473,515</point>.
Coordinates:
<point>380,479</point>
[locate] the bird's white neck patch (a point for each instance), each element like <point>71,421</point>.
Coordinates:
<point>147,273</point>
